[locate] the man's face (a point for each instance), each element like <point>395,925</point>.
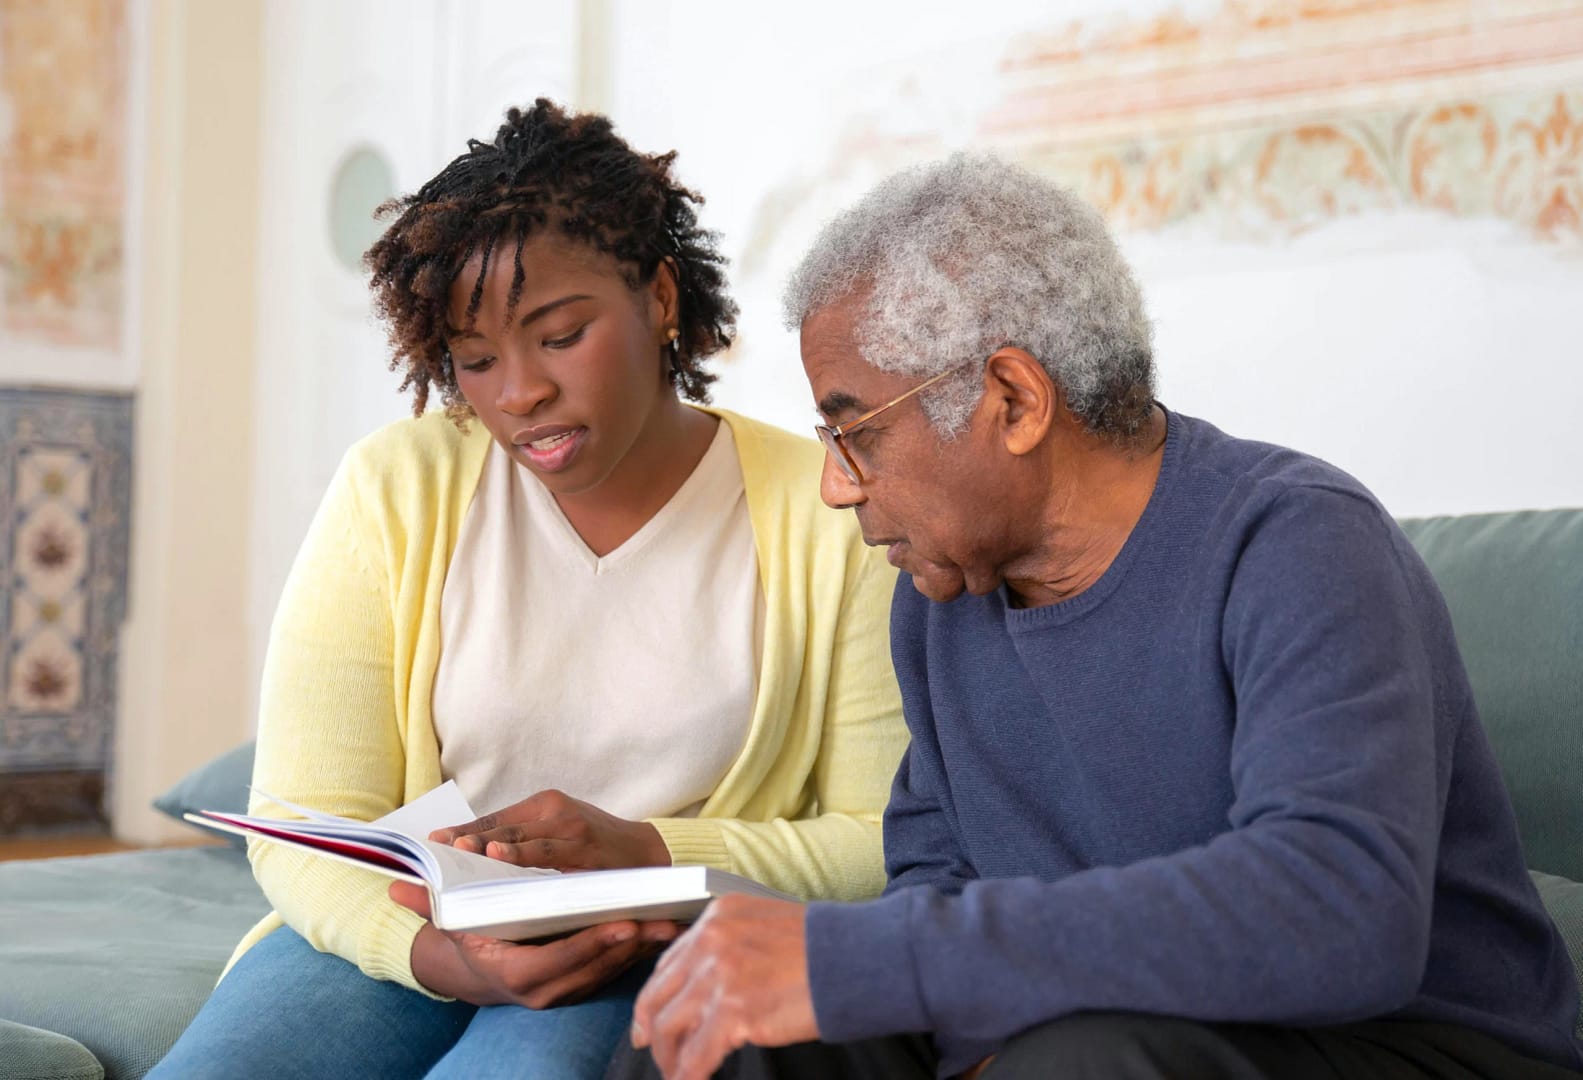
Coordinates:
<point>929,502</point>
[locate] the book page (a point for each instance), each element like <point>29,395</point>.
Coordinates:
<point>354,841</point>
<point>437,809</point>
<point>396,842</point>
<point>302,811</point>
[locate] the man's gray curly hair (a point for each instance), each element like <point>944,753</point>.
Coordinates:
<point>970,254</point>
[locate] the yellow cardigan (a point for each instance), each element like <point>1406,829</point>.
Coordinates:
<point>345,722</point>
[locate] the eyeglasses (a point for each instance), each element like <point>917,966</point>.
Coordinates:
<point>833,437</point>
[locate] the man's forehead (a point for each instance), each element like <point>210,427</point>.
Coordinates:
<point>837,372</point>
<point>843,382</point>
<point>830,329</point>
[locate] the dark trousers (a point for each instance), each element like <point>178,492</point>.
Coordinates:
<point>1126,1046</point>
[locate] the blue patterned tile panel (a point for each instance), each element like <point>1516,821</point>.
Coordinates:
<point>65,510</point>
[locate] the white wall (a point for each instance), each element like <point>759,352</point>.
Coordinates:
<point>184,690</point>
<point>1437,360</point>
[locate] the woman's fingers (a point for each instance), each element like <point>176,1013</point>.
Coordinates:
<point>586,980</point>
<point>539,976</point>
<point>552,829</point>
<point>543,851</point>
<point>650,939</point>
<point>452,833</point>
<point>411,896</point>
<point>540,805</point>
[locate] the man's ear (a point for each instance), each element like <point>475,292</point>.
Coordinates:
<point>1023,397</point>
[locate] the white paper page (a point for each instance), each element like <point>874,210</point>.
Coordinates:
<point>437,809</point>
<point>385,847</point>
<point>303,811</point>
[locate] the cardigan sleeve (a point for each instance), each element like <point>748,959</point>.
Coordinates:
<point>831,847</point>
<point>329,735</point>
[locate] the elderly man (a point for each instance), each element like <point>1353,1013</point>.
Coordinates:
<point>1196,785</point>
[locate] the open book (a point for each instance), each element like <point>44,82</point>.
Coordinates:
<point>481,895</point>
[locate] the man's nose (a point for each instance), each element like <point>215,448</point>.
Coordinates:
<point>523,387</point>
<point>836,488</point>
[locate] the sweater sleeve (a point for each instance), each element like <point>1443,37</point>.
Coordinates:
<point>1312,908</point>
<point>921,848</point>
<point>833,849</point>
<point>328,736</point>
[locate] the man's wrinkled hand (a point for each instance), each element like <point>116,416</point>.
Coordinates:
<point>738,977</point>
<point>553,830</point>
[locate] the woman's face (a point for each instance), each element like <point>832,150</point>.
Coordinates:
<point>568,379</point>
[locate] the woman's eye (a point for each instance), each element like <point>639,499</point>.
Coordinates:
<point>481,364</point>
<point>566,339</point>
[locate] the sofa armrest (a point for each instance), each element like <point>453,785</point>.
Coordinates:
<point>1563,899</point>
<point>30,1053</point>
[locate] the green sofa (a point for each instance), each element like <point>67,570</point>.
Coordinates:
<point>104,959</point>
<point>1514,584</point>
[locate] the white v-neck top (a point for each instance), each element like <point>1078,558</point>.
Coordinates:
<point>626,680</point>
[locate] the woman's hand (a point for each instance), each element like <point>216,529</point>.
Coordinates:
<point>488,971</point>
<point>554,830</point>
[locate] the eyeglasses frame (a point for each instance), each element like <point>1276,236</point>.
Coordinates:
<point>831,435</point>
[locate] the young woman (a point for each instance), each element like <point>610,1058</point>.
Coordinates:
<point>621,620</point>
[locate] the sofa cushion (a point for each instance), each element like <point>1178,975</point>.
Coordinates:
<point>30,1053</point>
<point>121,950</point>
<point>1514,584</point>
<point>220,784</point>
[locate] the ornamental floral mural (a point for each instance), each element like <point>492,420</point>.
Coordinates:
<point>1267,118</point>
<point>63,92</point>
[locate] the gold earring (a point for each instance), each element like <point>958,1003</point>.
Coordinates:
<point>672,334</point>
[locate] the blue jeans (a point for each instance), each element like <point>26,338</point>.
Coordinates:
<point>288,1011</point>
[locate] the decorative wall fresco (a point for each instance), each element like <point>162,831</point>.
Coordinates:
<point>63,92</point>
<point>65,504</point>
<point>1518,157</point>
<point>1274,115</point>
<point>1270,117</point>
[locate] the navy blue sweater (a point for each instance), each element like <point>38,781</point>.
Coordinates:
<point>1240,778</point>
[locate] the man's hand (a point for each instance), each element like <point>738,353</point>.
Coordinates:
<point>552,829</point>
<point>739,976</point>
<point>488,971</point>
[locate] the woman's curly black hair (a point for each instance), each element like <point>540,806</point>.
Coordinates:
<point>545,167</point>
